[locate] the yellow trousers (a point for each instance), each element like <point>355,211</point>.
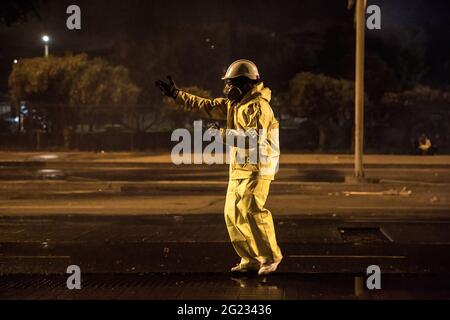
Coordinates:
<point>249,224</point>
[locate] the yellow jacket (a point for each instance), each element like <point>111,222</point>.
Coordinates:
<point>252,114</point>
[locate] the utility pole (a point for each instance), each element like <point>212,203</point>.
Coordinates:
<point>360,15</point>
<point>46,39</point>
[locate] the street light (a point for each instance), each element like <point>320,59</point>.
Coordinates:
<point>46,40</point>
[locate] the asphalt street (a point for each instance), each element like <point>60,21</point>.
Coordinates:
<point>164,256</point>
<point>156,230</point>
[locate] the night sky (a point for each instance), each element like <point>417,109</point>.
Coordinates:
<point>105,23</point>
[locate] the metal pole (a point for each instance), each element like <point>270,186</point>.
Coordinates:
<point>359,88</point>
<point>46,50</point>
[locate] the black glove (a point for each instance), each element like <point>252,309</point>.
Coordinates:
<point>169,89</point>
<point>213,125</point>
<point>213,128</point>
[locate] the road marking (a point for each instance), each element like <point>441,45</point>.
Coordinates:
<point>344,256</point>
<point>417,208</point>
<point>188,182</point>
<point>33,207</point>
<point>34,257</point>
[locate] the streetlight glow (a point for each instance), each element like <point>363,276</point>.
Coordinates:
<point>15,61</point>
<point>46,40</point>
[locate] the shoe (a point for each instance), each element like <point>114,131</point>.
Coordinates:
<point>267,269</point>
<point>245,268</point>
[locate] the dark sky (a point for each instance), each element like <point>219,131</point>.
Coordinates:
<point>105,22</point>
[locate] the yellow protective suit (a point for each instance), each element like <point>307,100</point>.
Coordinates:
<point>249,223</point>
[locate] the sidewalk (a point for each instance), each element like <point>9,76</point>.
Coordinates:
<point>164,158</point>
<point>305,206</point>
<point>86,183</point>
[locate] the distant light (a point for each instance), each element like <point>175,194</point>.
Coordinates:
<point>15,61</point>
<point>212,46</point>
<point>45,38</point>
<point>43,157</point>
<point>207,40</point>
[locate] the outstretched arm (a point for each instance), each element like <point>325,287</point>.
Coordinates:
<point>212,108</point>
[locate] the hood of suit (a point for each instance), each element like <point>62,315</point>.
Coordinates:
<point>257,92</point>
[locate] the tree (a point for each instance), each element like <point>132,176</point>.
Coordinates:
<point>380,77</point>
<point>68,87</point>
<point>422,109</point>
<point>328,102</point>
<point>403,51</point>
<point>72,79</point>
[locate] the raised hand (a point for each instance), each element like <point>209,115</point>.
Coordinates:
<point>169,89</point>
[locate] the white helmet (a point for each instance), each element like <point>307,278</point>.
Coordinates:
<point>242,68</point>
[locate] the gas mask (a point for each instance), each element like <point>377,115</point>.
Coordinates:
<point>232,92</point>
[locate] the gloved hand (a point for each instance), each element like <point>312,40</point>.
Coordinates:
<point>169,89</point>
<point>213,128</point>
<point>213,125</point>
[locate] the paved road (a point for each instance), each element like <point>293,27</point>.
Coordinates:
<point>310,172</point>
<point>172,243</point>
<point>98,188</point>
<point>154,230</point>
<point>189,256</point>
<point>223,287</point>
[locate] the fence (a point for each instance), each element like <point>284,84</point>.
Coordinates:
<point>391,141</point>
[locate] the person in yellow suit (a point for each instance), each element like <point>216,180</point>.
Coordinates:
<point>248,113</point>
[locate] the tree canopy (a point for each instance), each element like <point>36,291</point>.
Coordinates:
<point>72,80</point>
<point>418,97</point>
<point>320,97</point>
<point>326,101</point>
